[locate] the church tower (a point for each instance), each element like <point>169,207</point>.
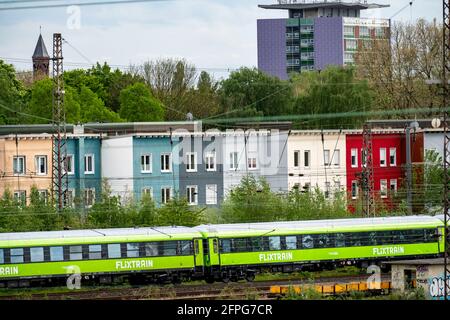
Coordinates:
<point>41,60</point>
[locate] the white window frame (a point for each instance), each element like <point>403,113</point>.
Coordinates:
<point>297,153</point>
<point>212,189</point>
<point>86,193</point>
<point>189,196</point>
<point>163,163</point>
<point>393,151</point>
<point>326,157</point>
<point>383,157</point>
<point>18,196</point>
<point>72,164</point>
<point>144,168</point>
<point>252,162</point>
<point>191,167</point>
<point>307,152</point>
<point>147,190</point>
<point>164,199</point>
<point>337,158</point>
<point>354,183</point>
<point>86,157</point>
<point>354,154</point>
<point>37,164</point>
<point>234,160</point>
<point>210,163</point>
<point>383,190</point>
<point>24,165</point>
<point>393,182</point>
<point>43,194</point>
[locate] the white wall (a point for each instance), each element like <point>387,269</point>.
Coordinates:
<point>117,165</point>
<point>316,175</point>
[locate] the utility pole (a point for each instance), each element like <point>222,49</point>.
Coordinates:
<point>367,183</point>
<point>59,149</point>
<point>446,97</point>
<point>408,169</point>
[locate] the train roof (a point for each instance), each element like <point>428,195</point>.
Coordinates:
<point>166,232</point>
<point>322,225</point>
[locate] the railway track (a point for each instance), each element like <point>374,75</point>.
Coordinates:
<point>236,290</point>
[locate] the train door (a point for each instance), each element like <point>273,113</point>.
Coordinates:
<point>198,252</point>
<point>214,255</point>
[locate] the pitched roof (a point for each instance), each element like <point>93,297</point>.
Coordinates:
<point>40,51</point>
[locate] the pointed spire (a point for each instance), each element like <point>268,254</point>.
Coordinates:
<point>40,51</point>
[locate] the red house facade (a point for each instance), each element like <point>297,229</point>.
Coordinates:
<point>389,163</point>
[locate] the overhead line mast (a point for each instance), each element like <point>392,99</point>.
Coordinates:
<point>59,148</point>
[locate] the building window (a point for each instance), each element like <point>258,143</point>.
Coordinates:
<point>349,31</point>
<point>306,158</point>
<point>296,159</point>
<point>191,193</point>
<point>19,165</point>
<point>89,164</point>
<point>327,189</point>
<point>89,197</point>
<point>326,157</point>
<point>233,160</point>
<point>191,161</point>
<point>393,185</point>
<point>43,195</point>
<point>146,163</point>
<point>350,44</point>
<point>363,31</point>
<point>70,197</point>
<point>383,157</point>
<point>337,186</point>
<point>354,156</point>
<point>354,189</point>
<point>147,190</point>
<point>307,187</point>
<point>41,165</point>
<point>393,157</point>
<point>251,161</point>
<point>20,196</point>
<point>383,188</point>
<point>211,161</point>
<point>165,194</point>
<point>166,162</point>
<point>337,158</point>
<point>69,164</point>
<point>211,194</point>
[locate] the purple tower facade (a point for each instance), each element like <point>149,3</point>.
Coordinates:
<point>328,42</point>
<point>272,47</point>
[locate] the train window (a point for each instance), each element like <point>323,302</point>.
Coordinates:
<point>373,238</point>
<point>340,240</point>
<point>357,240</point>
<point>240,245</point>
<point>114,250</point>
<point>75,253</point>
<point>256,244</point>
<point>132,250</point>
<point>169,248</point>
<point>151,249</point>
<point>307,242</point>
<point>399,237</point>
<point>186,247</point>
<point>17,255</point>
<point>2,258</point>
<point>274,243</point>
<point>291,242</point>
<point>37,254</point>
<point>95,251</point>
<point>384,237</point>
<point>430,235</point>
<point>322,241</point>
<point>56,254</point>
<point>225,245</point>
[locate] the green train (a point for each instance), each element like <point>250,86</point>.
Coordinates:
<point>227,252</point>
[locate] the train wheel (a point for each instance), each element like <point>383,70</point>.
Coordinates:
<point>225,278</point>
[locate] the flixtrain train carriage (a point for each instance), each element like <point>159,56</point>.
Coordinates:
<point>238,251</point>
<point>101,255</point>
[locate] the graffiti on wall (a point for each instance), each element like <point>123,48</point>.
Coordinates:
<point>436,287</point>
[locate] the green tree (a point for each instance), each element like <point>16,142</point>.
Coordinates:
<point>138,104</point>
<point>12,95</point>
<point>147,213</point>
<point>178,212</point>
<point>92,108</point>
<point>333,90</point>
<point>251,89</point>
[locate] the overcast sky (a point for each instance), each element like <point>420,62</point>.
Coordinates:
<point>217,34</point>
